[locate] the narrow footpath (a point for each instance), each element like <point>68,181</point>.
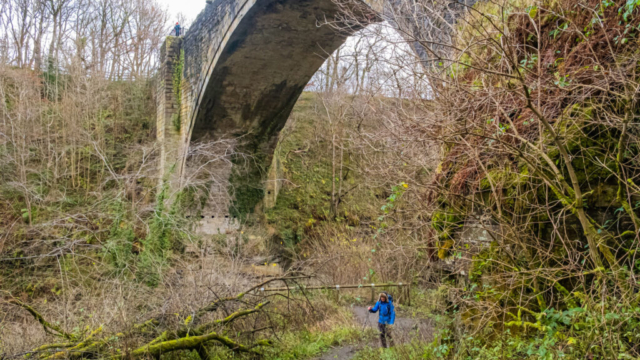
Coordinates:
<point>404,330</point>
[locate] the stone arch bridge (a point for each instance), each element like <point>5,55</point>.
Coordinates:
<point>237,73</point>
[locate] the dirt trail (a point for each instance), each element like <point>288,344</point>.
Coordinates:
<point>404,330</point>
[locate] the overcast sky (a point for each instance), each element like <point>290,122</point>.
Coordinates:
<point>190,8</point>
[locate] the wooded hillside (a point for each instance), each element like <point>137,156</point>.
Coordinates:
<point>497,175</point>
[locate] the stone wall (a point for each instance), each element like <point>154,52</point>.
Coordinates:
<point>202,46</point>
<point>167,133</point>
<point>216,224</point>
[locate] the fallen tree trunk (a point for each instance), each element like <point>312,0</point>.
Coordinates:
<point>162,341</point>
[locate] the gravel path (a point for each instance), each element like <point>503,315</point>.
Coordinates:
<point>404,330</point>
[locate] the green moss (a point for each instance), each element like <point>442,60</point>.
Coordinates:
<point>445,223</point>
<point>169,40</point>
<point>304,201</point>
<point>504,178</point>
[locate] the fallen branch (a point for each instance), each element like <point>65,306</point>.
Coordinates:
<point>97,345</point>
<point>191,343</point>
<point>45,324</point>
<point>46,347</point>
<point>80,349</point>
<point>238,314</point>
<point>216,304</point>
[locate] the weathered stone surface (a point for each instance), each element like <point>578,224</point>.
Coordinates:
<point>167,108</point>
<point>216,224</point>
<point>245,65</point>
<point>274,182</point>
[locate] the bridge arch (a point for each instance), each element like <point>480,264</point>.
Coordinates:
<point>238,72</point>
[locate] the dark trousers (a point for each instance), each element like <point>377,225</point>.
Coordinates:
<point>385,333</point>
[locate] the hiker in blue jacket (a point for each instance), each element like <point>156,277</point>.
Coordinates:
<point>386,317</point>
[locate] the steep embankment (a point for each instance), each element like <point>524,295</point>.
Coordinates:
<point>321,179</point>
<point>537,195</point>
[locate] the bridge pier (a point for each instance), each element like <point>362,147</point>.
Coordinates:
<point>274,182</point>
<point>169,129</point>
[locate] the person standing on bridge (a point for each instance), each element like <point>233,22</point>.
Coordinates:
<point>386,317</point>
<point>177,29</point>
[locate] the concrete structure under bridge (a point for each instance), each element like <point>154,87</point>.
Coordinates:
<point>232,80</point>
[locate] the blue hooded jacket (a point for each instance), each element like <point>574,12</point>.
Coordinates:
<point>387,312</point>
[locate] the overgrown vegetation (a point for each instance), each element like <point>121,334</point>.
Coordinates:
<point>198,331</point>
<point>305,152</point>
<point>503,172</point>
<point>535,199</point>
<point>341,178</point>
<point>68,185</point>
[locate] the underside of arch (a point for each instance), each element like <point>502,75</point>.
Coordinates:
<point>261,70</point>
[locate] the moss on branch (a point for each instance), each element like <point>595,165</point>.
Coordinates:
<point>238,314</point>
<point>45,324</point>
<point>192,343</point>
<point>98,345</point>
